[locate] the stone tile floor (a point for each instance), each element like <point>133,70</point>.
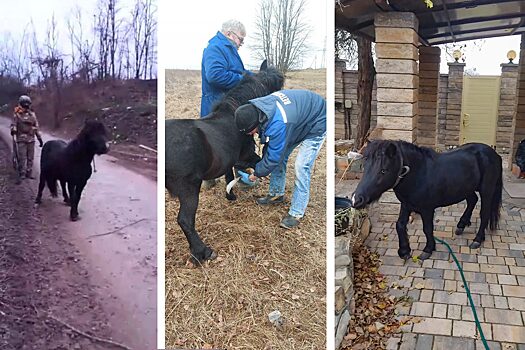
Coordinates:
<point>495,273</point>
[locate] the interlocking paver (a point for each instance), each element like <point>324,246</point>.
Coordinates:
<point>514,334</point>
<point>495,274</point>
<point>514,291</point>
<point>436,326</point>
<point>503,316</point>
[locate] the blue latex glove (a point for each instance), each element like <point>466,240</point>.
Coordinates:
<point>245,178</point>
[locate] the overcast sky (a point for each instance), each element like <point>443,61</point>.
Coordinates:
<point>487,55</point>
<point>186,26</point>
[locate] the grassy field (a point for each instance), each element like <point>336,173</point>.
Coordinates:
<point>260,268</point>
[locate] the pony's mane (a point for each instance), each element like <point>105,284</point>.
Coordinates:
<point>379,145</point>
<point>92,126</point>
<point>251,86</point>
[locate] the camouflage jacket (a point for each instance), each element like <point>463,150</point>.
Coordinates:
<point>25,124</point>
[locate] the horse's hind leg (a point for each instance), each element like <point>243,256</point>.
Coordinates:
<point>464,221</point>
<point>75,199</point>
<point>188,194</point>
<point>428,229</point>
<point>64,192</point>
<point>41,185</point>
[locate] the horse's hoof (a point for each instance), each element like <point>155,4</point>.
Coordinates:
<point>38,201</point>
<point>67,202</point>
<point>199,259</point>
<point>424,256</point>
<point>74,218</point>
<point>459,231</point>
<point>231,196</point>
<point>474,245</point>
<point>406,256</point>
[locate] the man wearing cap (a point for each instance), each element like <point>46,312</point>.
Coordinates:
<point>285,120</point>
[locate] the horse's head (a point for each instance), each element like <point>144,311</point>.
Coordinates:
<point>270,77</point>
<point>95,136</point>
<point>382,168</point>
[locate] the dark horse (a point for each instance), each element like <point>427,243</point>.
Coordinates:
<point>424,180</point>
<point>70,163</point>
<point>203,149</point>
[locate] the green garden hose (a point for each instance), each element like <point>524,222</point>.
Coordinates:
<point>478,325</point>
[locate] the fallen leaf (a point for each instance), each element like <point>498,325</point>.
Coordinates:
<point>419,286</point>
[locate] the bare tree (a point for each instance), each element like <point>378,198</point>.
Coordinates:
<point>365,83</point>
<point>143,27</point>
<point>346,47</point>
<point>281,33</point>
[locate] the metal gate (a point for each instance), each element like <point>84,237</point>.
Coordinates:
<point>479,109</point>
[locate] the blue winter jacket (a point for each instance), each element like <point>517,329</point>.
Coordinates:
<point>293,116</point>
<point>221,70</point>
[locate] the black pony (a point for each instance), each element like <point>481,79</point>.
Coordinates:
<point>203,149</point>
<point>424,180</point>
<point>70,163</point>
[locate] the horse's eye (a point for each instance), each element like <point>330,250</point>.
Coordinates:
<point>383,171</point>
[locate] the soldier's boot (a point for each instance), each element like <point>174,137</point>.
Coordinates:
<point>29,174</point>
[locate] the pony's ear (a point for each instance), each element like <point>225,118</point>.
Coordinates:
<point>264,65</point>
<point>391,150</point>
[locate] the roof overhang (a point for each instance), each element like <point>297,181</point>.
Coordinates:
<point>447,21</point>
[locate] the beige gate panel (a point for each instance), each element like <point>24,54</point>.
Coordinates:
<point>479,112</point>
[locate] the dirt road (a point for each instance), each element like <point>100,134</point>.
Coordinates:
<point>97,274</point>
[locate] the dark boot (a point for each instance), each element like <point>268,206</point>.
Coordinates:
<point>29,174</point>
<point>289,222</point>
<point>267,200</point>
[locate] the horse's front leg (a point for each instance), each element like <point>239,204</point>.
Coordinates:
<point>188,195</point>
<point>428,229</point>
<point>230,176</point>
<point>401,228</point>
<point>64,192</point>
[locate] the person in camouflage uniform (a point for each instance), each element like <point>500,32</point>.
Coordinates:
<point>25,128</point>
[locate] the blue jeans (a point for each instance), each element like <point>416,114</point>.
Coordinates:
<point>308,151</point>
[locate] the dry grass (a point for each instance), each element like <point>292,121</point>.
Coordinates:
<point>260,268</point>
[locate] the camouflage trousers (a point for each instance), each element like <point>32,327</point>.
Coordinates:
<point>26,154</point>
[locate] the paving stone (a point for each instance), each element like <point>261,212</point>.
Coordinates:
<point>449,274</point>
<point>454,312</point>
<point>513,291</point>
<point>453,343</point>
<point>456,298</point>
<point>424,342</point>
<point>510,261</point>
<point>408,341</point>
<point>492,345</point>
<point>487,331</point>
<point>479,288</point>
<point>440,311</point>
<point>437,326</point>
<point>473,267</point>
<point>503,316</point>
<point>464,329</point>
<point>482,259</point>
<point>478,277</point>
<point>467,315</point>
<point>393,343</point>
<point>487,301</point>
<point>434,273</point>
<point>501,302</point>
<point>445,265</point>
<point>521,280</point>
<point>495,289</point>
<point>450,286</point>
<point>514,334</point>
<point>488,251</point>
<point>517,270</point>
<point>516,303</point>
<point>509,346</point>
<point>491,278</point>
<point>494,269</point>
<point>507,279</point>
<point>421,309</point>
<point>426,295</point>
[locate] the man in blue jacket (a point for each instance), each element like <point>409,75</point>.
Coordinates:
<point>285,120</point>
<point>222,67</point>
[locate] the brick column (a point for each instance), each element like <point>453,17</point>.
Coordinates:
<point>397,74</point>
<point>429,59</point>
<point>507,106</point>
<point>397,86</point>
<point>518,124</point>
<point>455,92</point>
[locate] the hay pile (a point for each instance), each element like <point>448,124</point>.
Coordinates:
<point>260,268</point>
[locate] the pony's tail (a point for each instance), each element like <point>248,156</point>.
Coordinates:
<point>52,185</point>
<point>495,206</point>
